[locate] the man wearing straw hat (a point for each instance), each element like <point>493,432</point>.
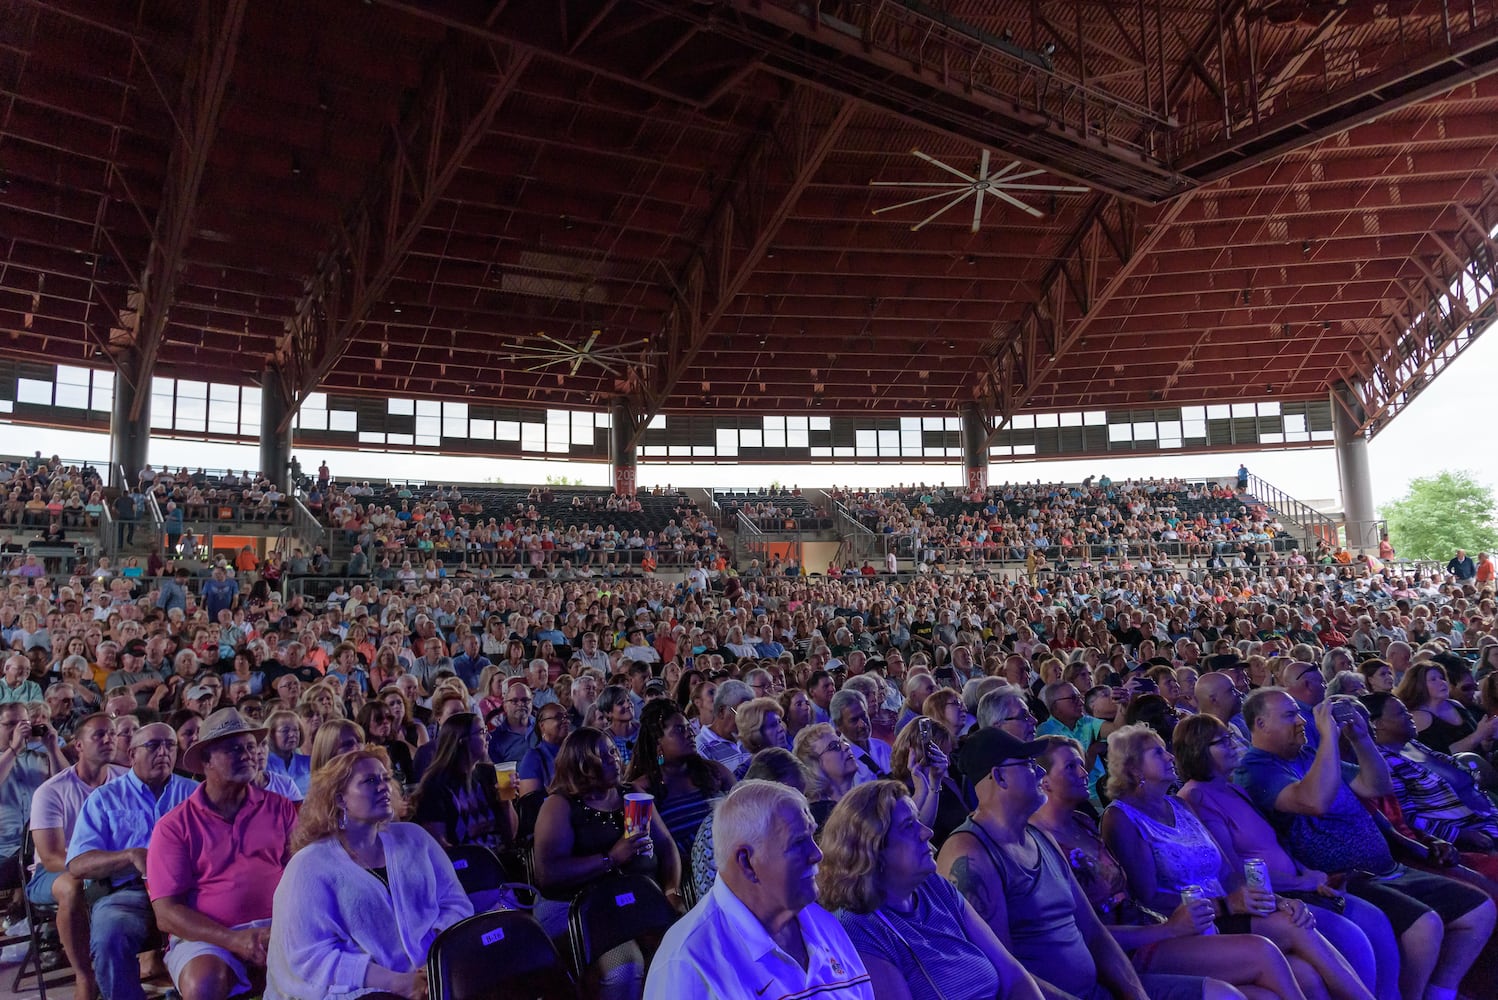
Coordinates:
<point>215,861</point>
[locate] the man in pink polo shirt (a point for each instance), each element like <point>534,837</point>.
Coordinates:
<point>215,861</point>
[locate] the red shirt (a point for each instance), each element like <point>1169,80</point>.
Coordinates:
<point>225,870</point>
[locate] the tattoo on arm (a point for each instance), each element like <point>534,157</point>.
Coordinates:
<point>969,881</point>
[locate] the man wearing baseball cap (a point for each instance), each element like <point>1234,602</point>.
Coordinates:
<point>982,857</point>
<point>215,861</point>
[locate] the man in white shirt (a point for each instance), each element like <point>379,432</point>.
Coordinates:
<point>850,717</point>
<point>759,933</point>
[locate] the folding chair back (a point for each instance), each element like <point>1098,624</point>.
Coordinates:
<point>500,954</point>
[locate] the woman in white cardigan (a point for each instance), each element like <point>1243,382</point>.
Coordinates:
<point>363,897</point>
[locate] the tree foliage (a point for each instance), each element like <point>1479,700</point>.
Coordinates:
<point>1440,514</point>
<point>557,480</point>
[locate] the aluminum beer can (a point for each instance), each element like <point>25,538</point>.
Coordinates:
<point>1256,874</point>
<point>1191,894</point>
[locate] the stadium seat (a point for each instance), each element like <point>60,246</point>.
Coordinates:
<point>500,954</point>
<point>615,911</point>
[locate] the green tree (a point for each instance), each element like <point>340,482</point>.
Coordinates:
<point>562,481</point>
<point>1440,514</point>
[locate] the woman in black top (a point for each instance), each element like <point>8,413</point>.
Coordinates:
<point>580,838</point>
<point>458,798</point>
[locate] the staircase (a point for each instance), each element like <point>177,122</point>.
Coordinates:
<point>1311,525</point>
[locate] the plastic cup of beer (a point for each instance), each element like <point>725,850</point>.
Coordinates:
<point>504,780</point>
<point>637,807</point>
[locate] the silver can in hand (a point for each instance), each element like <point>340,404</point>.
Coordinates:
<point>1193,893</point>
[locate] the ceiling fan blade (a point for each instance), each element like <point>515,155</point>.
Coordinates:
<point>999,192</point>
<point>1070,188</point>
<point>1004,170</point>
<point>983,166</point>
<point>1020,177</point>
<point>966,190</point>
<point>937,163</point>
<point>919,184</point>
<point>920,225</point>
<point>978,210</point>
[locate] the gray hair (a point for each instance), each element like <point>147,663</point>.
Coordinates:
<point>991,706</point>
<point>1346,682</point>
<point>844,700</point>
<point>974,690</point>
<point>1051,693</point>
<point>912,679</point>
<point>746,817</point>
<point>732,694</point>
<point>757,674</point>
<point>868,685</point>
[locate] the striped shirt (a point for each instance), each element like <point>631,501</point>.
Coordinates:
<point>936,958</point>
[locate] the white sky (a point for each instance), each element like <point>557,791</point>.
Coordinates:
<point>1443,429</point>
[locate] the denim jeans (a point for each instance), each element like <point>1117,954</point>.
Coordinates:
<point>1365,938</point>
<point>121,923</point>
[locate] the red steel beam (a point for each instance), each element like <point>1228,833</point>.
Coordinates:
<point>216,43</point>
<point>371,243</point>
<point>755,204</point>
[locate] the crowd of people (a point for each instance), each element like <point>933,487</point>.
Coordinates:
<point>1096,784</point>
<point>1081,525</point>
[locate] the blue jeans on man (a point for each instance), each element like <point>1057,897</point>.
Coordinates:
<point>121,925</point>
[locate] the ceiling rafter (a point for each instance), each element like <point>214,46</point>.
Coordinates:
<point>1445,312</point>
<point>373,239</point>
<point>215,46</point>
<point>754,205</point>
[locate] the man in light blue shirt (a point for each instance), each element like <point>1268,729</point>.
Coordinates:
<point>108,847</point>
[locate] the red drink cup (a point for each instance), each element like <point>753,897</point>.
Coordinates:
<point>637,813</point>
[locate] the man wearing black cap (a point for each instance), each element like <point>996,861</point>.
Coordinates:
<point>995,849</point>
<point>135,675</point>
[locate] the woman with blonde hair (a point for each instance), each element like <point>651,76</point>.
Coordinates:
<point>363,897</point>
<point>1163,847</point>
<point>761,725</point>
<point>490,690</point>
<point>918,937</point>
<point>833,769</point>
<point>925,773</point>
<point>284,736</point>
<point>335,738</point>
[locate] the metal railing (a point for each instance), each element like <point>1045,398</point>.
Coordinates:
<point>1316,525</point>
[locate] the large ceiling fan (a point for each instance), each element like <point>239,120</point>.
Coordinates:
<point>1000,184</point>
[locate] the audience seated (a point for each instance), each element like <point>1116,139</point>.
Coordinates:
<point>581,837</point>
<point>107,851</point>
<point>214,863</point>
<point>759,932</point>
<point>915,932</point>
<point>1112,621</point>
<point>363,896</point>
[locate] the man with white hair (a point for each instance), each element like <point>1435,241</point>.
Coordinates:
<point>759,933</point>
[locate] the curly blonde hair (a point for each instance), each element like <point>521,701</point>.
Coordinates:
<point>1126,748</point>
<point>852,842</point>
<point>318,817</point>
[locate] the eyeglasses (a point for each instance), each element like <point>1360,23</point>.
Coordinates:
<point>517,701</point>
<point>156,746</point>
<point>1027,717</point>
<point>1035,768</point>
<point>837,745</point>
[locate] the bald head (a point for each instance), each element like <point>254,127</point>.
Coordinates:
<point>1217,697</point>
<point>153,754</point>
<point>154,731</point>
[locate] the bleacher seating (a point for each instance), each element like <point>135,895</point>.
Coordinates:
<point>774,511</point>
<point>1155,519</point>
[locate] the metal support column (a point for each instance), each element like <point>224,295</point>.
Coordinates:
<point>275,444</point>
<point>1352,472</point>
<point>622,453</point>
<point>129,429</point>
<point>974,447</point>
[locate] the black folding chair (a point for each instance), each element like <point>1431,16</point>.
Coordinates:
<point>503,954</point>
<point>615,911</point>
<point>45,954</point>
<point>488,878</point>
